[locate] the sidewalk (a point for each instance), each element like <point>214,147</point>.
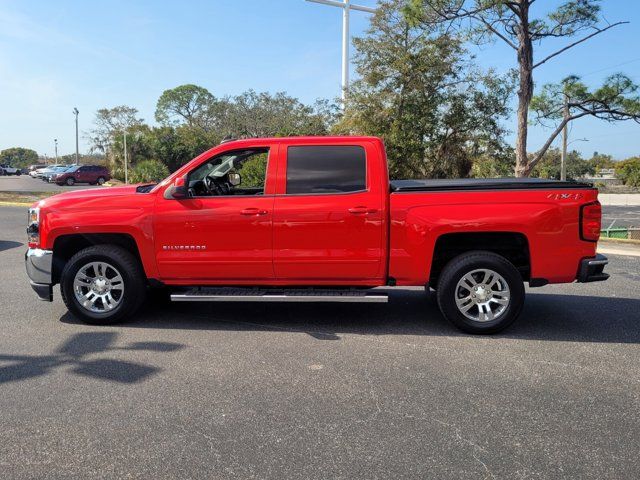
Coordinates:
<point>619,248</point>
<point>619,199</point>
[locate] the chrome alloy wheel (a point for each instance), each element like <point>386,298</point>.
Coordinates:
<point>482,295</point>
<point>98,287</point>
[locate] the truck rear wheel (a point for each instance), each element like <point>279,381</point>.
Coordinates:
<point>103,285</point>
<point>480,292</point>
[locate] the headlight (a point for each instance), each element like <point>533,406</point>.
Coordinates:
<point>33,227</point>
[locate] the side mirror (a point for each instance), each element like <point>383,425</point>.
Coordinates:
<point>177,191</point>
<point>234,179</point>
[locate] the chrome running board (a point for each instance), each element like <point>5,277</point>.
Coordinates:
<point>227,294</point>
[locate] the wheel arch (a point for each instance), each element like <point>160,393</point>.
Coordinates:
<point>65,246</point>
<point>514,246</point>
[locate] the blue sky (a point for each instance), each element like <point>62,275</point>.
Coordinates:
<point>57,55</point>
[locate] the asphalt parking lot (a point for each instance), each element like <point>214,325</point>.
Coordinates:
<point>329,391</point>
<point>620,216</point>
<point>25,183</point>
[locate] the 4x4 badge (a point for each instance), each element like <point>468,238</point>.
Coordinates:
<point>564,196</point>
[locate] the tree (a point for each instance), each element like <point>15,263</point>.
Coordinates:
<point>600,161</point>
<point>417,90</point>
<point>500,163</point>
<point>18,157</point>
<point>614,101</point>
<point>149,171</point>
<point>254,114</point>
<point>194,121</point>
<point>188,104</point>
<point>629,171</point>
<point>110,122</point>
<point>177,146</point>
<point>549,165</point>
<point>511,22</point>
<point>253,171</point>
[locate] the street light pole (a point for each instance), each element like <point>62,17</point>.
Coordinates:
<point>346,6</point>
<point>75,111</point>
<point>55,143</point>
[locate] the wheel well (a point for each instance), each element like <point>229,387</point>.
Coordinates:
<point>66,246</point>
<point>511,245</point>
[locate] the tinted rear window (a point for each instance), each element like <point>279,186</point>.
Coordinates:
<point>326,169</point>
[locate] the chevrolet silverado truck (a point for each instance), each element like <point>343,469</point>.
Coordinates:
<point>313,219</point>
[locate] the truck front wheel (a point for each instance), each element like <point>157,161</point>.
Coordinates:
<point>103,284</point>
<point>480,292</point>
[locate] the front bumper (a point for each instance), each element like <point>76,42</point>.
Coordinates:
<point>592,269</point>
<point>39,266</point>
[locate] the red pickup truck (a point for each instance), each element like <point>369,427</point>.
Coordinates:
<point>313,219</point>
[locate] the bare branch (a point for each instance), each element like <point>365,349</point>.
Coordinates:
<point>540,153</point>
<point>598,31</point>
<point>495,31</point>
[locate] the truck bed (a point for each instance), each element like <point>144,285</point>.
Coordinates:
<point>431,185</point>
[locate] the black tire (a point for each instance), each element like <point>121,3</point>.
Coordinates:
<point>463,264</point>
<point>133,279</point>
<point>100,180</point>
<point>70,181</point>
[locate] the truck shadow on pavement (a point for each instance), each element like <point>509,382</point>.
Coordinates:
<point>552,317</point>
<point>9,244</point>
<point>78,355</point>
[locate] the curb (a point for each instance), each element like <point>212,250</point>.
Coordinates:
<point>626,241</point>
<point>15,204</point>
<point>619,251</point>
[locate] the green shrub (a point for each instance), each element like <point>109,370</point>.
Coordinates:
<point>629,171</point>
<point>148,171</point>
<point>253,171</point>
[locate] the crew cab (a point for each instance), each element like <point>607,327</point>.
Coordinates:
<point>313,219</point>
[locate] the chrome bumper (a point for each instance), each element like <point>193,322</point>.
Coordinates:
<point>39,265</point>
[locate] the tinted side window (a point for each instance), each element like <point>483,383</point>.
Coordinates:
<point>326,169</point>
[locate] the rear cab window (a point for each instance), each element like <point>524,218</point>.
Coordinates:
<point>326,169</point>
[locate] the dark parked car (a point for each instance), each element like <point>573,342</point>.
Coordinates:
<point>92,174</point>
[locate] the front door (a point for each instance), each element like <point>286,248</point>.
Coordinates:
<point>329,216</point>
<point>224,231</point>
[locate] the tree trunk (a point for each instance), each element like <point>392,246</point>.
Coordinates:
<point>525,90</point>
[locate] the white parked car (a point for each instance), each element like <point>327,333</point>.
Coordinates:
<point>40,172</point>
<point>7,170</point>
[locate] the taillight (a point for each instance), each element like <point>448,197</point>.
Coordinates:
<point>590,221</point>
<point>33,228</point>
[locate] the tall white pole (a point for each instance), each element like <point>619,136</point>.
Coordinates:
<point>345,49</point>
<point>346,6</point>
<point>126,169</point>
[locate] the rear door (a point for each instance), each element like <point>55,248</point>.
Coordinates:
<point>328,215</point>
<point>82,174</point>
